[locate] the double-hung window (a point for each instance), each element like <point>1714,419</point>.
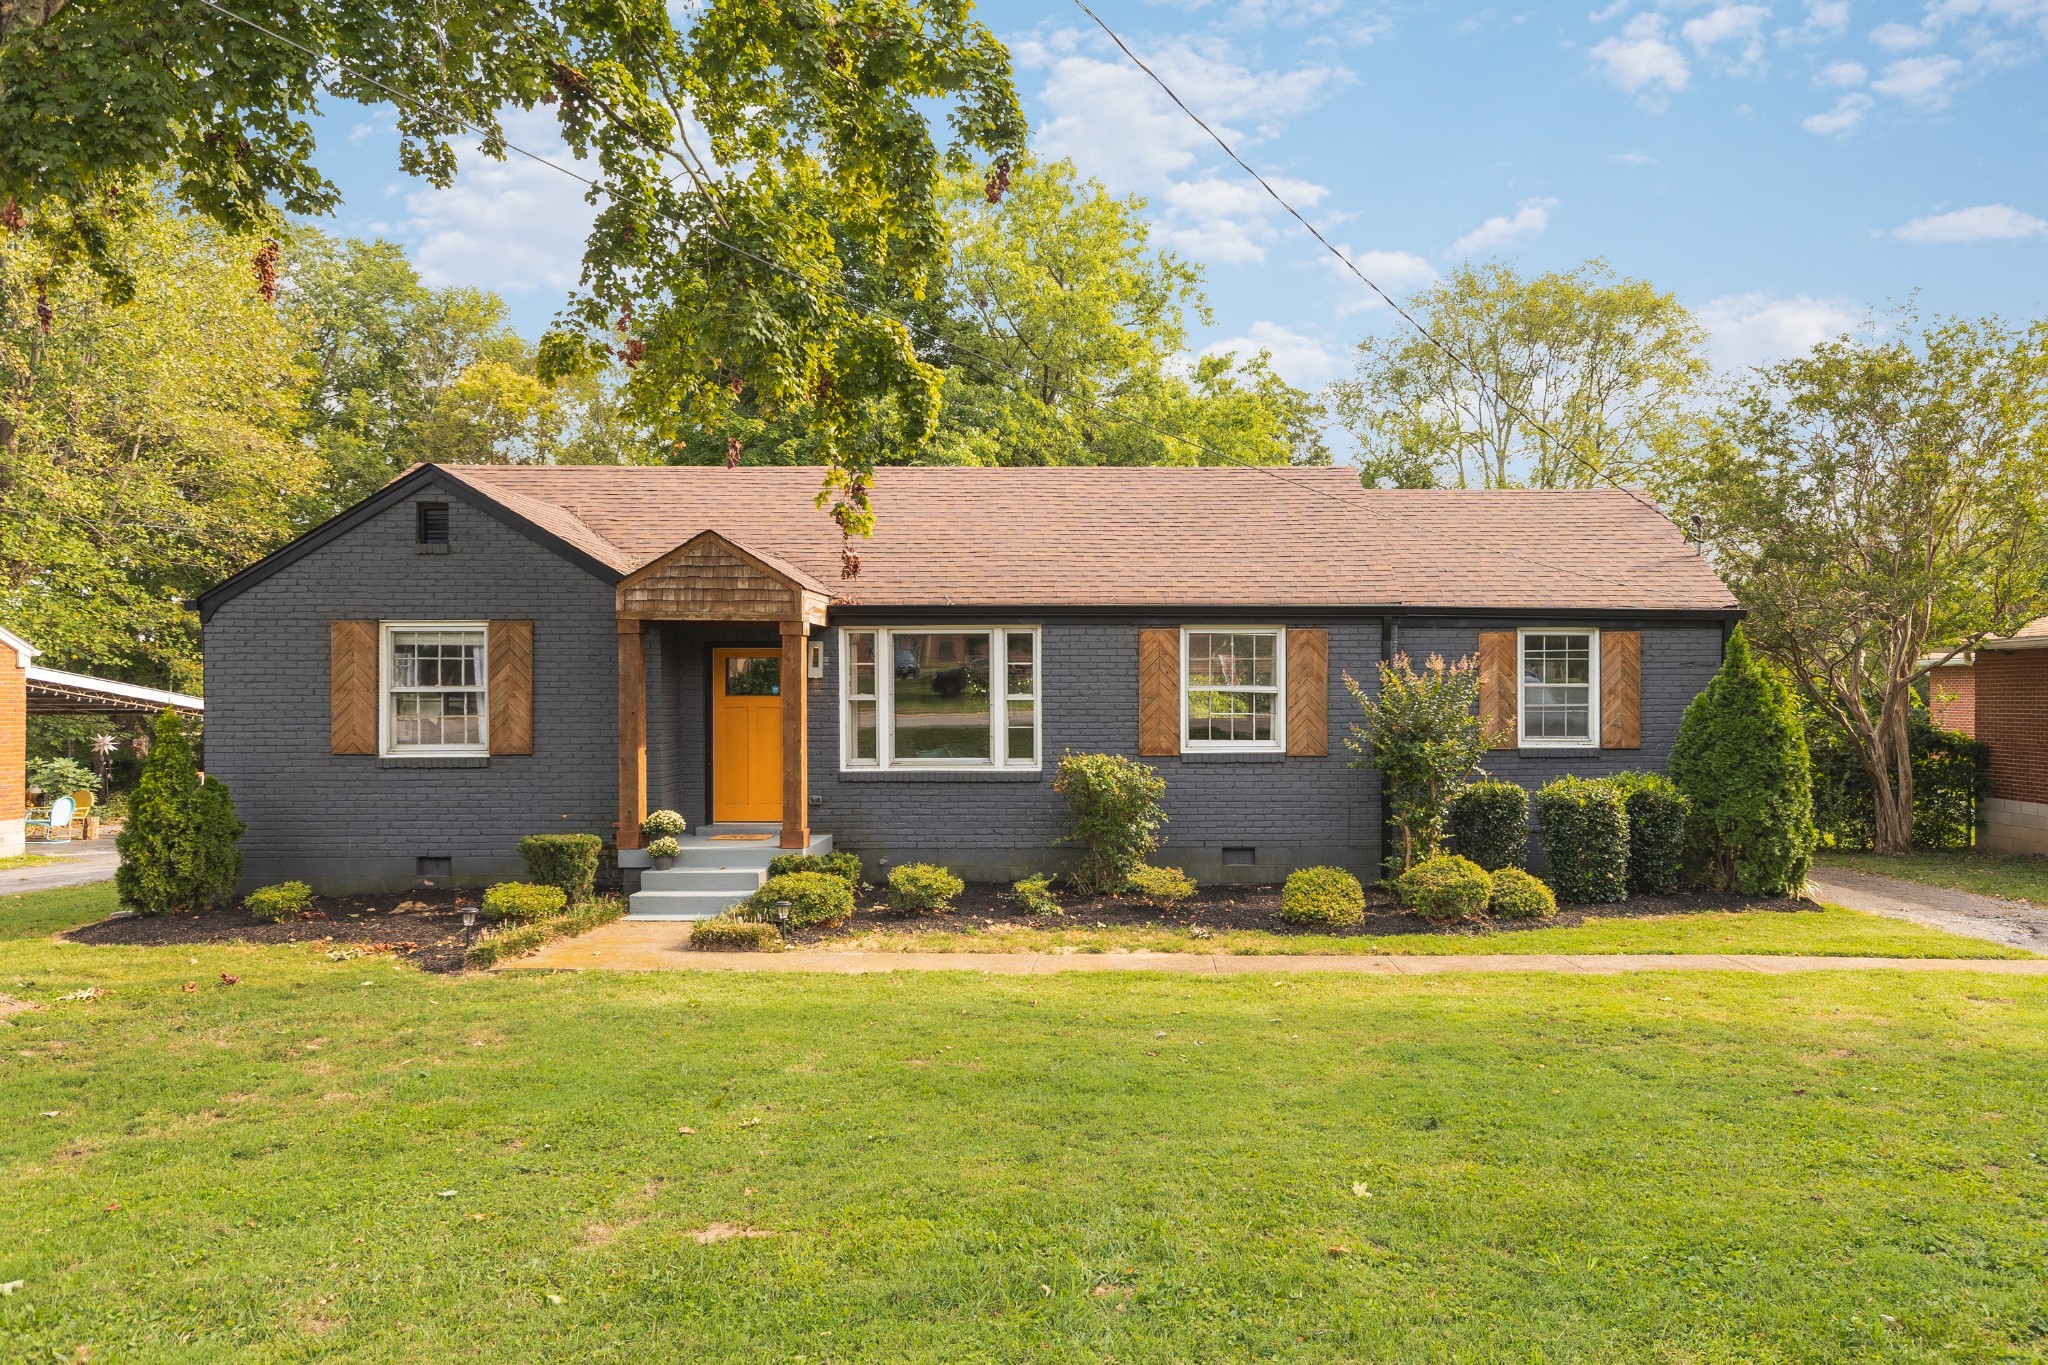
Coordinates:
<point>1560,689</point>
<point>1233,688</point>
<point>939,697</point>
<point>434,693</point>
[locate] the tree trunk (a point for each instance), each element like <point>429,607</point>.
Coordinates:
<point>1889,765</point>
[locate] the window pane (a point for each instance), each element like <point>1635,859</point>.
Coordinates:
<point>942,701</point>
<point>1232,659</point>
<point>755,677</point>
<point>1231,717</point>
<point>436,658</point>
<point>437,718</point>
<point>1023,746</point>
<point>864,750</point>
<point>1557,693</point>
<point>1023,668</point>
<point>862,681</point>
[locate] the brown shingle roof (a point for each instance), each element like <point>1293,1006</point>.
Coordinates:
<point>1141,537</point>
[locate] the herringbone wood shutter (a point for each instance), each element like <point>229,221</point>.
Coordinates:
<point>1308,693</point>
<point>1621,689</point>
<point>1158,692</point>
<point>1498,706</point>
<point>511,687</point>
<point>352,685</point>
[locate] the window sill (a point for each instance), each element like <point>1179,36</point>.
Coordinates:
<point>434,761</point>
<point>1233,756</point>
<point>941,775</point>
<point>1557,750</point>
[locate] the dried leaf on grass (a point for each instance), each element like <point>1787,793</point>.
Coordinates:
<point>725,1232</point>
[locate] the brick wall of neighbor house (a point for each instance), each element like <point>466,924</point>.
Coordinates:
<point>2012,720</point>
<point>347,822</point>
<point>13,750</point>
<point>1952,698</point>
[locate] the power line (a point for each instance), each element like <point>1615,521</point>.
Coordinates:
<point>948,343</point>
<point>1597,471</point>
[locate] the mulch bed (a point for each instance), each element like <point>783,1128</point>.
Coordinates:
<point>422,927</point>
<point>1218,908</point>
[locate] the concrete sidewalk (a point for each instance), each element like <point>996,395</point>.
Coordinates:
<point>78,863</point>
<point>638,947</point>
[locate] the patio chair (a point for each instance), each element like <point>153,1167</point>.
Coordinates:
<point>56,818</point>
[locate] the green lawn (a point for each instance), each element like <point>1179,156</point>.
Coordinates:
<point>354,1160</point>
<point>1990,874</point>
<point>1827,930</point>
<point>21,860</point>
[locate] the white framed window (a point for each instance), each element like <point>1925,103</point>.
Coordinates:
<point>1233,688</point>
<point>433,688</point>
<point>1559,701</point>
<point>939,697</point>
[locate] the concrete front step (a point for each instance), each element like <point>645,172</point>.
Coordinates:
<point>740,879</point>
<point>666,905</point>
<point>710,875</point>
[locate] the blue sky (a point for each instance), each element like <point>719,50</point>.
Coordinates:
<point>1783,168</point>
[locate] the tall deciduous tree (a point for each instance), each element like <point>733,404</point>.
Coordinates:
<point>1584,373</point>
<point>753,164</point>
<point>149,449</point>
<point>1871,504</point>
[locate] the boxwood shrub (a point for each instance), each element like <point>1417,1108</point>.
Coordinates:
<point>1490,824</point>
<point>1163,886</point>
<point>1035,895</point>
<point>815,898</point>
<point>1584,825</point>
<point>1520,895</point>
<point>919,888</point>
<point>845,866</point>
<point>1322,895</point>
<point>565,860</point>
<point>1444,889</point>
<point>1657,812</point>
<point>523,902</point>
<point>286,900</point>
<point>733,934</point>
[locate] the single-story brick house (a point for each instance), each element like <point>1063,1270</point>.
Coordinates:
<point>1999,695</point>
<point>477,653</point>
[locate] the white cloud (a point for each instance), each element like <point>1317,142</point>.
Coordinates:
<point>1397,272</point>
<point>1756,329</point>
<point>1530,217</point>
<point>1300,360</point>
<point>1843,118</point>
<point>1983,223</point>
<point>1632,158</point>
<point>1739,25</point>
<point>1227,222</point>
<point>1843,73</point>
<point>1643,63</point>
<point>1825,18</point>
<point>1919,81</point>
<point>511,226</point>
<point>1897,37</point>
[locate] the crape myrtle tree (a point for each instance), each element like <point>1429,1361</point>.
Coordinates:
<point>758,169</point>
<point>1879,508</point>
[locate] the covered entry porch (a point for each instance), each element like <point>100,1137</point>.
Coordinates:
<point>715,666</point>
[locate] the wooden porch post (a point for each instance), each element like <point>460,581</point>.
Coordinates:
<point>632,733</point>
<point>796,767</point>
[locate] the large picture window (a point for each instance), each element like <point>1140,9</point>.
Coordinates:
<point>939,697</point>
<point>1232,687</point>
<point>434,688</point>
<point>1560,689</point>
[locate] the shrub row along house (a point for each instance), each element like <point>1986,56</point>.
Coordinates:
<point>478,653</point>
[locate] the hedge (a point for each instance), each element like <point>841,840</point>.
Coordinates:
<point>565,860</point>
<point>1657,813</point>
<point>1520,895</point>
<point>815,898</point>
<point>1949,781</point>
<point>523,902</point>
<point>1584,827</point>
<point>1490,824</point>
<point>845,866</point>
<point>1322,895</point>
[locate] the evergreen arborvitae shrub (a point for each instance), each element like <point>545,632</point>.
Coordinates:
<point>178,844</point>
<point>918,887</point>
<point>1322,895</point>
<point>1114,811</point>
<point>565,860</point>
<point>1444,889</point>
<point>1657,812</point>
<point>845,866</point>
<point>1584,825</point>
<point>1741,760</point>
<point>815,899</point>
<point>1490,824</point>
<point>1520,895</point>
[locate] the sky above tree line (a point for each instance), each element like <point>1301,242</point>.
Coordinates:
<point>1784,168</point>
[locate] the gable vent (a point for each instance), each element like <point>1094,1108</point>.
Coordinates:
<point>433,523</point>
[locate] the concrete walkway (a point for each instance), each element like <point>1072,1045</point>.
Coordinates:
<point>636,947</point>
<point>2016,924</point>
<point>79,863</point>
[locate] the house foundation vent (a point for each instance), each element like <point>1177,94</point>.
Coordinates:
<point>1240,857</point>
<point>424,868</point>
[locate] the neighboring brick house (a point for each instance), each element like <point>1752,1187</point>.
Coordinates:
<point>2000,695</point>
<point>15,654</point>
<point>477,653</point>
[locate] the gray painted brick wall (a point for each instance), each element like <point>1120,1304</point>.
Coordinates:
<point>348,822</point>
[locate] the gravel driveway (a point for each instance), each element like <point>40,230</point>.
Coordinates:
<point>2016,924</point>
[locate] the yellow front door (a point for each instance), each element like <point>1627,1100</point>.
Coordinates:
<point>746,735</point>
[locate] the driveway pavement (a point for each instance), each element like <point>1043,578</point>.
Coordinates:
<point>79,862</point>
<point>2016,924</point>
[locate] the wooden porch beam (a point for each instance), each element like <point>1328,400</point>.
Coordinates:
<point>796,767</point>
<point>632,733</point>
